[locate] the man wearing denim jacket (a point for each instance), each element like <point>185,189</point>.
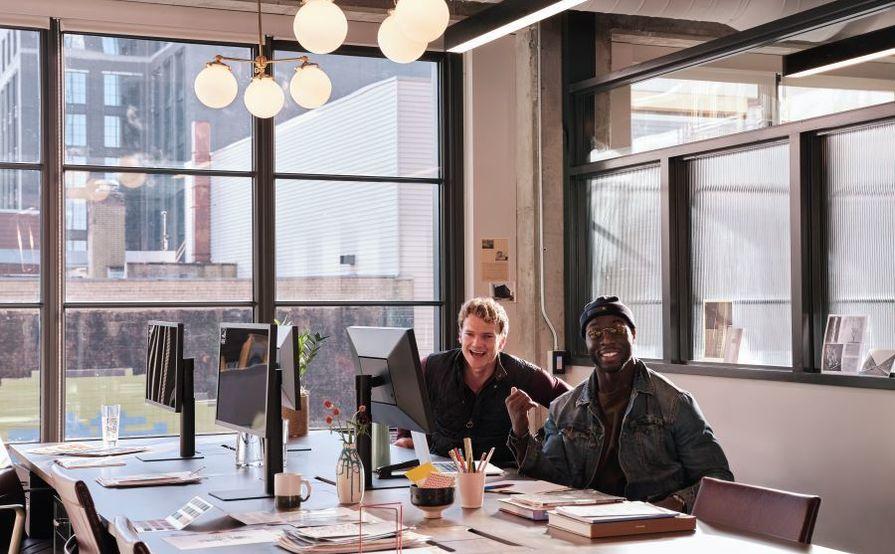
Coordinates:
<point>626,430</point>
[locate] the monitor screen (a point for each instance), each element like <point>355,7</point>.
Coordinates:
<point>164,362</point>
<point>245,355</point>
<point>399,395</point>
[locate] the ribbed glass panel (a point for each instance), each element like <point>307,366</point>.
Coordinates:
<point>860,173</point>
<point>625,249</point>
<point>739,230</point>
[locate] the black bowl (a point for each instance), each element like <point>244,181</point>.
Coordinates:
<point>431,501</point>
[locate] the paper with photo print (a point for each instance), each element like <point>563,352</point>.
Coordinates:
<point>494,260</point>
<point>844,343</point>
<point>879,363</point>
<point>717,319</point>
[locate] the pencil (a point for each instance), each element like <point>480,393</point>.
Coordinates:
<point>467,443</point>
<point>480,464</point>
<point>455,460</point>
<point>488,458</point>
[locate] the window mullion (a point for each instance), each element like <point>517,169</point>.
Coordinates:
<point>52,239</point>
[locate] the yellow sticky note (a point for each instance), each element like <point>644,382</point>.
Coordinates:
<point>419,474</point>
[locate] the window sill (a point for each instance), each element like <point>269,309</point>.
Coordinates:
<point>765,373</point>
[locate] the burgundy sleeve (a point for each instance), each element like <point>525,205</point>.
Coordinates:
<point>544,388</point>
<point>404,433</point>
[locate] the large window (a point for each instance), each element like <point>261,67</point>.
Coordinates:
<point>358,203</point>
<point>137,239</point>
<point>625,250</point>
<point>859,166</point>
<point>164,210</point>
<point>20,237</point>
<point>740,205</point>
<point>739,235</point>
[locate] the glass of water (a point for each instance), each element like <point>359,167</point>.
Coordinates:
<point>111,415</point>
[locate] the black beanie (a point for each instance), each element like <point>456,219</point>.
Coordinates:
<point>605,305</point>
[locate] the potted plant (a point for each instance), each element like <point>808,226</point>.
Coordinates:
<point>309,345</point>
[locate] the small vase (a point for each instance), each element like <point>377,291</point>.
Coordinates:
<point>349,475</point>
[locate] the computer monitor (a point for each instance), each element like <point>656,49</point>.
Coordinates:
<point>246,355</point>
<point>250,396</point>
<point>390,383</point>
<point>389,356</point>
<point>169,384</point>
<point>287,347</point>
<point>164,365</point>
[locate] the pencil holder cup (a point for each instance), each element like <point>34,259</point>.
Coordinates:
<point>471,487</point>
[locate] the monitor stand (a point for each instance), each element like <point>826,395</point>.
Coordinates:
<point>187,422</point>
<point>364,386</point>
<point>272,445</point>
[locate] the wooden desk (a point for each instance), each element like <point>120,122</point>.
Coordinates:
<point>451,530</point>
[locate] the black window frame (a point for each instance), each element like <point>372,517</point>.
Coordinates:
<point>51,164</point>
<point>808,263</point>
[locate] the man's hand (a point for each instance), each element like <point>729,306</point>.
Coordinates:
<point>404,442</point>
<point>518,403</point>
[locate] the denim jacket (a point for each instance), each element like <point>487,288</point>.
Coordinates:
<point>665,445</point>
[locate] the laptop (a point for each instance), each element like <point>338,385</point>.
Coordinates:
<point>421,448</point>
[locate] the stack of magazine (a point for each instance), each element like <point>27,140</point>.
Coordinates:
<point>347,537</point>
<point>536,506</point>
<point>622,518</point>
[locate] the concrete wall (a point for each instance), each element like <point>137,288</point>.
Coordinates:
<point>830,441</point>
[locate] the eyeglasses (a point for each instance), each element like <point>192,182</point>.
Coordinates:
<point>617,328</point>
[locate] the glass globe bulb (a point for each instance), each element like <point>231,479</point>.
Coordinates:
<point>320,26</point>
<point>395,44</point>
<point>264,98</point>
<point>215,86</point>
<point>310,87</point>
<point>423,20</point>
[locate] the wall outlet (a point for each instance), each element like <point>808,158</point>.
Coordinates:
<point>557,361</point>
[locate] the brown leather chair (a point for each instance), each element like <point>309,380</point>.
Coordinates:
<point>771,512</point>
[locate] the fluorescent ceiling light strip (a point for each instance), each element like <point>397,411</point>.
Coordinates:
<point>520,23</point>
<point>844,63</point>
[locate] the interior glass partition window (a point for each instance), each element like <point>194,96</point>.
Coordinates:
<point>859,165</point>
<point>358,212</point>
<point>20,234</point>
<point>150,218</point>
<point>740,256</point>
<point>624,249</point>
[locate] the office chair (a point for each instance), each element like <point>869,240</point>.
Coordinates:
<point>89,534</point>
<point>124,534</point>
<point>12,511</point>
<point>775,513</point>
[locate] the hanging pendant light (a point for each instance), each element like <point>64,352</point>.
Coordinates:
<point>320,26</point>
<point>310,86</point>
<point>422,20</point>
<point>215,86</point>
<point>264,97</point>
<point>395,44</point>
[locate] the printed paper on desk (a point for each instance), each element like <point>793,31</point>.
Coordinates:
<point>306,518</point>
<point>524,487</point>
<point>239,537</point>
<point>83,463</point>
<point>189,512</point>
